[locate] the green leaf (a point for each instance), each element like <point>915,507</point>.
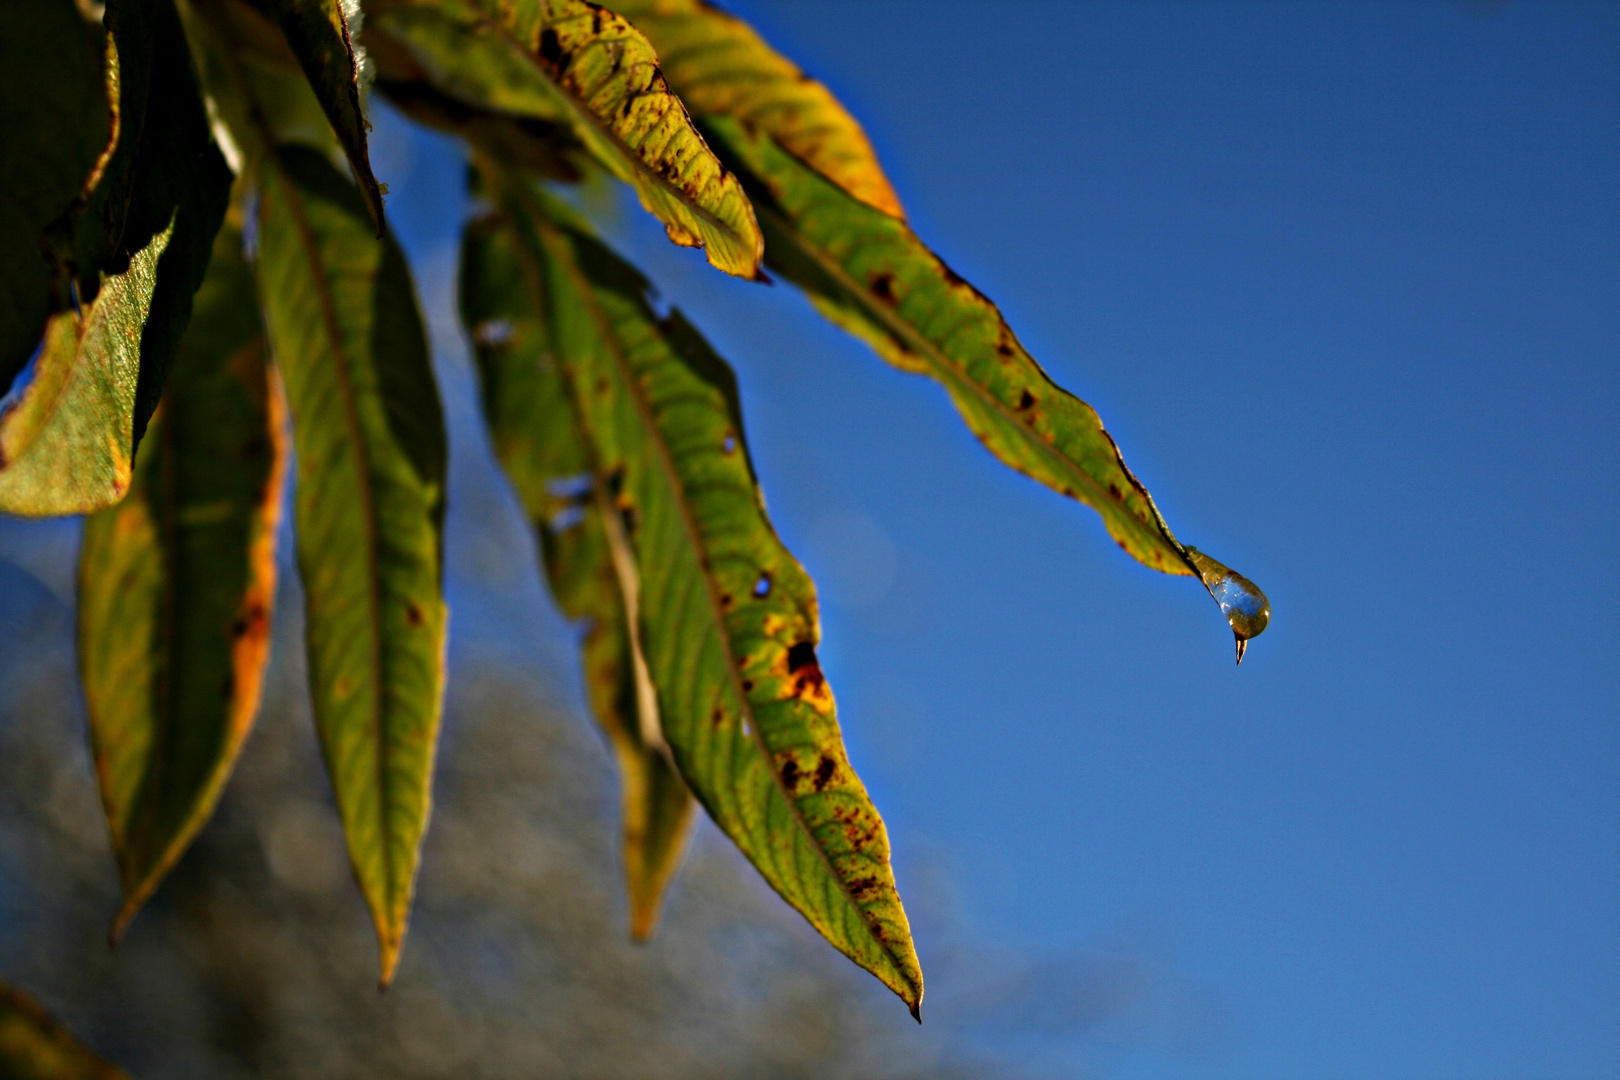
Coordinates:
<point>867,272</point>
<point>156,194</point>
<point>53,126</point>
<point>320,36</point>
<point>67,442</point>
<point>176,585</point>
<point>370,446</point>
<point>575,63</point>
<point>720,66</point>
<point>728,617</point>
<point>35,1047</point>
<point>540,445</point>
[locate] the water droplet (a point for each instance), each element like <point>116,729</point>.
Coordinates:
<point>1244,605</point>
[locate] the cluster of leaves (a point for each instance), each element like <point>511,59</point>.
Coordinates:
<point>183,231</point>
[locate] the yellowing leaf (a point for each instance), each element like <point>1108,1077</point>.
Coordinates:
<point>722,67</point>
<point>176,585</point>
<point>727,616</point>
<point>35,1047</point>
<point>539,443</point>
<point>870,274</point>
<point>370,445</point>
<point>67,442</point>
<point>576,63</point>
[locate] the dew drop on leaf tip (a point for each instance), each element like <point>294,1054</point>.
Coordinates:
<point>1244,605</point>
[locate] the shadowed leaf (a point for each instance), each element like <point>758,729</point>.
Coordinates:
<point>867,272</point>
<point>720,66</point>
<point>322,39</point>
<point>539,443</point>
<point>53,125</point>
<point>370,445</point>
<point>572,62</point>
<point>176,584</point>
<point>35,1047</point>
<point>728,617</point>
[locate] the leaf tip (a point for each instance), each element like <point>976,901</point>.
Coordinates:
<point>916,1011</point>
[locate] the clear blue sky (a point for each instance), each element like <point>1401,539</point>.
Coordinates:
<point>1344,282</point>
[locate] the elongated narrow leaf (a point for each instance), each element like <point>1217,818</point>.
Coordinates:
<point>176,585</point>
<point>869,273</point>
<point>538,440</point>
<point>35,1047</point>
<point>722,67</point>
<point>728,617</point>
<point>323,40</point>
<point>66,443</point>
<point>369,436</point>
<point>53,125</point>
<point>576,63</point>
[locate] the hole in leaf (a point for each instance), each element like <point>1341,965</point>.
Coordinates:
<point>762,586</point>
<point>493,332</point>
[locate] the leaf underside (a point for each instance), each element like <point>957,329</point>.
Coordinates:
<point>578,64</point>
<point>176,585</point>
<point>728,618</point>
<point>720,66</point>
<point>370,443</point>
<point>539,443</point>
<point>35,1047</point>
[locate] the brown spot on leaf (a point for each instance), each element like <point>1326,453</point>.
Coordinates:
<point>550,47</point>
<point>1026,400</point>
<point>790,774</point>
<point>824,771</point>
<point>882,286</point>
<point>748,686</point>
<point>413,615</point>
<point>719,717</point>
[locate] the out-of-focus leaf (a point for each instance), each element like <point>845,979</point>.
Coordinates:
<point>66,443</point>
<point>176,585</point>
<point>720,66</point>
<point>538,440</point>
<point>53,125</point>
<point>157,189</point>
<point>322,39</point>
<point>573,62</point>
<point>728,617</point>
<point>370,443</point>
<point>35,1047</point>
<point>867,272</point>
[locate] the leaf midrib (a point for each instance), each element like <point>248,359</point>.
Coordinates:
<point>694,540</point>
<point>340,367</point>
<point>950,367</point>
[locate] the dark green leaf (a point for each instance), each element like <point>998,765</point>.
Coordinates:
<point>370,444</point>
<point>176,585</point>
<point>322,39</point>
<point>867,272</point>
<point>35,1047</point>
<point>538,440</point>
<point>571,62</point>
<point>727,616</point>
<point>53,125</point>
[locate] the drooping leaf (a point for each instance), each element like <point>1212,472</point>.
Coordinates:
<point>728,617</point>
<point>573,62</point>
<point>867,272</point>
<point>539,443</point>
<point>35,1047</point>
<point>176,585</point>
<point>370,443</point>
<point>66,443</point>
<point>322,38</point>
<point>156,194</point>
<point>53,125</point>
<point>720,66</point>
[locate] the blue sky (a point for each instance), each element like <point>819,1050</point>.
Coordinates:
<point>1343,280</point>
